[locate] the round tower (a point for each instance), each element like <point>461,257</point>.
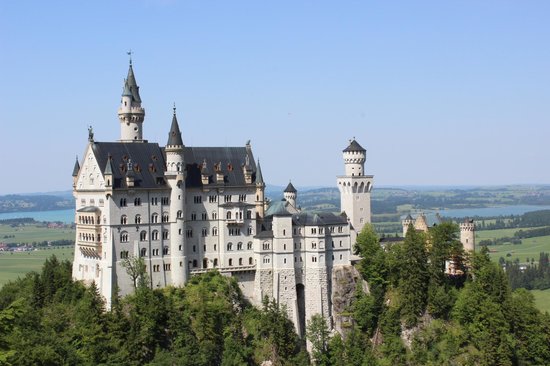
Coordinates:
<point>290,194</point>
<point>354,159</point>
<point>467,235</point>
<point>175,176</point>
<point>260,188</point>
<point>130,112</point>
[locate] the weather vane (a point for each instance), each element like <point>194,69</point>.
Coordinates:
<point>129,53</point>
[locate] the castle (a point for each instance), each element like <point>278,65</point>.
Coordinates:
<point>187,210</point>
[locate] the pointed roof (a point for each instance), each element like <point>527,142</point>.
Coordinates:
<point>174,136</point>
<point>132,85</point>
<point>109,166</point>
<point>290,188</point>
<point>354,146</point>
<point>76,168</point>
<point>126,92</point>
<point>259,177</point>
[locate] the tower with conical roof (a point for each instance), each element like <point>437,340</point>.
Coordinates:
<point>130,112</point>
<point>260,192</point>
<point>175,177</point>
<point>355,187</point>
<point>290,194</point>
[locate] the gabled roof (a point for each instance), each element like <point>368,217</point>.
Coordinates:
<point>290,188</point>
<point>354,146</point>
<point>229,160</point>
<point>147,163</point>
<point>318,219</point>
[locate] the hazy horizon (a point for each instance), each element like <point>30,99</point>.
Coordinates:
<point>439,93</point>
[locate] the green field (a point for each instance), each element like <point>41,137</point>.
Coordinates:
<point>542,299</point>
<point>16,264</point>
<point>529,248</point>
<point>34,233</point>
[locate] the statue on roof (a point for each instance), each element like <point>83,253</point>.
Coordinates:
<point>90,134</point>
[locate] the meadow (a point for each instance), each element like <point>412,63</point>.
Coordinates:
<point>17,264</point>
<point>29,233</point>
<point>542,299</point>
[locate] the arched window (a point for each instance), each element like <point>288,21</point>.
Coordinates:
<point>194,263</point>
<point>250,261</point>
<point>249,245</point>
<point>165,234</point>
<point>230,262</point>
<point>138,219</point>
<point>165,217</point>
<point>214,231</point>
<point>123,220</point>
<point>154,218</point>
<point>229,247</point>
<point>180,214</point>
<point>240,261</point>
<point>124,237</point>
<point>137,201</point>
<point>228,215</point>
<point>143,236</point>
<point>215,262</point>
<point>266,260</point>
<point>165,250</point>
<point>248,214</point>
<point>239,246</point>
<point>155,235</point>
<point>205,263</point>
<point>143,252</point>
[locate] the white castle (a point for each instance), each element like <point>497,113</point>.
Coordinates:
<point>187,210</point>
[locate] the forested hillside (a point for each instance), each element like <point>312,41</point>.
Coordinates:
<point>415,314</point>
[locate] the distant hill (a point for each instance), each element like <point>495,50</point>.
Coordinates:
<point>35,202</point>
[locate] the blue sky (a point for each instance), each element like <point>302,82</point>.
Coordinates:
<point>438,92</point>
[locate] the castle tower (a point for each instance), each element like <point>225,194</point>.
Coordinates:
<point>355,187</point>
<point>175,176</point>
<point>406,222</point>
<point>467,235</point>
<point>130,112</point>
<point>260,187</point>
<point>290,194</point>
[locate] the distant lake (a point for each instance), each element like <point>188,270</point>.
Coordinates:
<point>491,211</point>
<point>65,216</point>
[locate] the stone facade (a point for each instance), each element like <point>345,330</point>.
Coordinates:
<point>187,210</point>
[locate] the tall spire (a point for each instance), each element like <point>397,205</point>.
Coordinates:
<point>174,136</point>
<point>132,84</point>
<point>259,177</point>
<point>76,168</point>
<point>130,113</point>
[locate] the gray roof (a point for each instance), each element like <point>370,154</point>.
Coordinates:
<point>354,146</point>
<point>147,162</point>
<point>278,208</point>
<point>318,219</point>
<point>259,177</point>
<point>108,166</point>
<point>174,136</point>
<point>290,188</point>
<point>229,160</point>
<point>134,88</point>
<point>76,168</point>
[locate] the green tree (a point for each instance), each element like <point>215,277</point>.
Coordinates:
<point>319,335</point>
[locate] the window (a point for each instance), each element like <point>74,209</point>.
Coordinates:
<point>239,246</point>
<point>155,252</point>
<point>266,260</point>
<point>179,214</point>
<point>155,235</point>
<point>242,198</point>
<point>143,236</point>
<point>154,218</point>
<point>143,252</point>
<point>214,231</point>
<point>154,201</point>
<point>204,216</point>
<point>123,202</point>
<point>313,245</point>
<point>193,216</point>
<point>194,263</point>
<point>138,219</point>
<point>284,260</point>
<point>124,254</point>
<point>165,234</point>
<point>165,217</point>
<point>189,233</point>
<point>204,232</point>
<point>215,262</point>
<point>123,220</point>
<point>284,246</point>
<point>234,231</point>
<point>248,214</point>
<point>240,261</point>
<point>165,250</point>
<point>165,200</point>
<point>227,198</point>
<point>156,267</point>
<point>124,237</point>
<point>228,215</point>
<point>137,201</point>
<point>214,215</point>
<point>212,199</point>
<point>314,259</point>
<point>230,262</point>
<point>167,266</point>
<point>250,261</point>
<point>340,229</point>
<point>197,199</point>
<point>229,247</point>
<point>265,245</point>
<point>321,230</point>
<point>314,230</point>
<point>249,245</point>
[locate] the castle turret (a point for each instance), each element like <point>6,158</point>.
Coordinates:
<point>355,187</point>
<point>130,112</point>
<point>260,187</point>
<point>467,235</point>
<point>175,176</point>
<point>76,170</point>
<point>290,194</point>
<point>406,222</point>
